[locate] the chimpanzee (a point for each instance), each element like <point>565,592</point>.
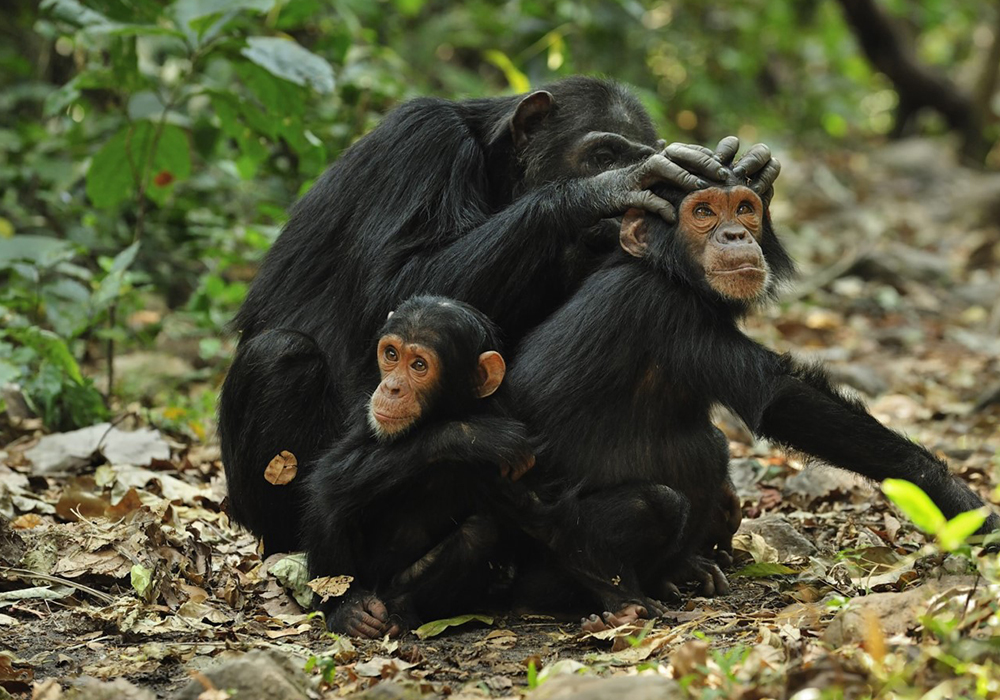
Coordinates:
<point>499,202</point>
<point>620,381</point>
<point>400,503</point>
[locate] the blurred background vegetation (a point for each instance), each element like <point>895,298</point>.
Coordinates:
<point>149,150</point>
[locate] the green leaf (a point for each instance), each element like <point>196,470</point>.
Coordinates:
<point>128,155</point>
<point>74,12</point>
<point>916,504</point>
<point>433,629</point>
<point>292,572</point>
<point>764,570</point>
<point>51,347</point>
<point>115,284</point>
<point>40,251</point>
<point>957,530</point>
<point>287,59</point>
<point>142,580</point>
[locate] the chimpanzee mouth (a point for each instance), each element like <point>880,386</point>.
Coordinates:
<point>741,270</point>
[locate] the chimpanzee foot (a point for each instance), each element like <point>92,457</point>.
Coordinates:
<point>367,618</point>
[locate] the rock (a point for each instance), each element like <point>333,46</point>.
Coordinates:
<point>93,689</point>
<point>577,687</point>
<point>780,534</point>
<point>257,675</point>
<point>896,613</point>
<point>898,263</point>
<point>390,690</point>
<point>861,377</point>
<point>66,451</point>
<point>820,482</point>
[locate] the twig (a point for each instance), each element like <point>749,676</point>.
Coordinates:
<point>827,275</point>
<point>56,579</point>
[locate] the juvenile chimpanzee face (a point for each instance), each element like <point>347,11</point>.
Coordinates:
<point>411,376</point>
<point>434,358</point>
<point>723,229</point>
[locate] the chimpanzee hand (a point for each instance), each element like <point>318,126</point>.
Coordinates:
<point>362,614</point>
<point>614,192</point>
<point>515,454</point>
<point>723,524</point>
<point>496,440</point>
<point>756,168</point>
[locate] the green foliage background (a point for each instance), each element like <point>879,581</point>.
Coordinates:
<point>150,150</point>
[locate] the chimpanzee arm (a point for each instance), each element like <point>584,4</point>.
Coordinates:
<point>527,238</point>
<point>806,413</point>
<point>351,481</point>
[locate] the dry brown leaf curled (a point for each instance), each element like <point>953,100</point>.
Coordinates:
<point>282,469</point>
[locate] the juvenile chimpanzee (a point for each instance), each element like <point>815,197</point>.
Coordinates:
<point>499,202</point>
<point>621,380</point>
<point>398,503</point>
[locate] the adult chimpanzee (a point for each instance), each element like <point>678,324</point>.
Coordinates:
<point>500,202</point>
<point>400,503</point>
<point>621,380</point>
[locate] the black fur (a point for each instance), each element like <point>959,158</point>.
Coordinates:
<point>435,200</point>
<point>409,517</point>
<point>620,383</point>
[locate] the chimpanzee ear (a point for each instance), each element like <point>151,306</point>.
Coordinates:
<point>492,368</point>
<point>633,235</point>
<point>530,114</point>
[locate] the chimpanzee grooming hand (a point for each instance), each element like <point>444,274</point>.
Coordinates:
<point>756,169</point>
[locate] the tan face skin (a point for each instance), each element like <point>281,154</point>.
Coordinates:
<point>722,227</point>
<point>409,372</point>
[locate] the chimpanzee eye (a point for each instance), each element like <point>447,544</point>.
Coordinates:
<point>703,210</point>
<point>390,354</point>
<point>603,157</point>
<point>744,208</point>
<point>419,365</point>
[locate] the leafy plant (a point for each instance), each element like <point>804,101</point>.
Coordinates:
<point>950,535</point>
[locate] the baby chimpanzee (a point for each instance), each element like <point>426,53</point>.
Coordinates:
<point>399,503</point>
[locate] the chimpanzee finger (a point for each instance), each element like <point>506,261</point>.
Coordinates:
<point>697,160</point>
<point>660,169</point>
<point>365,626</point>
<point>752,161</point>
<point>377,609</point>
<point>719,580</point>
<point>668,589</point>
<point>766,177</point>
<point>726,150</point>
<point>522,468</point>
<point>723,558</point>
<point>647,201</point>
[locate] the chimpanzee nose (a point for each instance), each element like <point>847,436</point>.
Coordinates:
<point>732,233</point>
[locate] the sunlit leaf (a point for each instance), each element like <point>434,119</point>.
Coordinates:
<point>916,504</point>
<point>957,530</point>
<point>433,629</point>
<point>764,570</point>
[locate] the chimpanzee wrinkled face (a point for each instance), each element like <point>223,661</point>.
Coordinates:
<point>436,357</point>
<point>579,130</point>
<point>722,242</point>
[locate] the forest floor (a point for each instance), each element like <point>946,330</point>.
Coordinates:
<point>117,562</point>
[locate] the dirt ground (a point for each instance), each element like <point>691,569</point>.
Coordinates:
<point>116,560</point>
